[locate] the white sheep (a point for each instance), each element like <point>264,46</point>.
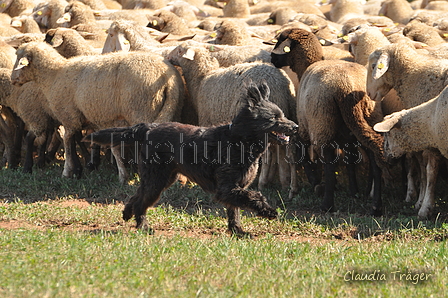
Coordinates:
<point>399,11</point>
<point>30,104</point>
<point>416,78</point>
<point>69,43</point>
<point>15,8</point>
<point>420,128</point>
<point>215,91</point>
<point>117,89</point>
<point>47,14</point>
<point>124,35</point>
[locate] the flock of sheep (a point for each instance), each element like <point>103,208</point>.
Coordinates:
<point>362,78</point>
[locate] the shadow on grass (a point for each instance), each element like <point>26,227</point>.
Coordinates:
<point>351,221</point>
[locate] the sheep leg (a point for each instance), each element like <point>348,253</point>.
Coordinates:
<point>29,143</point>
<point>18,137</point>
<point>53,147</point>
<point>312,169</point>
<point>432,168</point>
<point>265,166</point>
<point>72,165</point>
<point>284,171</point>
<point>329,157</point>
<point>291,163</point>
<point>376,187</point>
<point>422,162</point>
<point>122,173</point>
<point>351,158</point>
<point>273,163</point>
<point>77,167</point>
<point>95,160</point>
<point>42,143</point>
<point>411,192</point>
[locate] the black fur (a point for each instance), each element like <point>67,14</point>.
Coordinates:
<point>223,160</point>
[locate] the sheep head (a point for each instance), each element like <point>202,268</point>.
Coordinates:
<point>298,49</point>
<point>394,136</point>
<point>32,59</point>
<point>378,81</point>
<point>19,76</point>
<point>116,40</point>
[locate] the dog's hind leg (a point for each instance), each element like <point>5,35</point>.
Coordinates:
<point>234,222</point>
<point>153,183</point>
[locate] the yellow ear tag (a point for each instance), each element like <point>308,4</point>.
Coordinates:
<point>345,37</point>
<point>380,65</point>
<point>340,35</point>
<point>212,48</point>
<point>445,35</point>
<point>24,62</point>
<point>315,27</point>
<point>286,49</point>
<point>270,21</point>
<point>322,41</point>
<point>154,23</point>
<point>381,14</point>
<point>274,40</point>
<point>3,5</point>
<point>39,13</point>
<point>386,29</point>
<point>255,1</point>
<point>213,34</point>
<point>126,41</point>
<point>323,1</point>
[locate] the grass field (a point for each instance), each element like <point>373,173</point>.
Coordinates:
<point>65,238</point>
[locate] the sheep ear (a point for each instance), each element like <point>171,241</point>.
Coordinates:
<point>22,63</point>
<point>325,42</point>
<point>66,18</point>
<point>382,64</point>
<point>189,54</point>
<point>283,48</point>
<point>56,41</point>
<point>16,23</point>
<point>4,6</point>
<point>123,43</point>
<point>387,124</point>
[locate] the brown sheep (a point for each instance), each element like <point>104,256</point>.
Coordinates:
<point>333,109</point>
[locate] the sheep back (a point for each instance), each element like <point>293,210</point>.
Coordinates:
<point>107,90</point>
<point>221,91</point>
<point>332,98</point>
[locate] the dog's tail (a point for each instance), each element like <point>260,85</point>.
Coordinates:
<point>119,135</point>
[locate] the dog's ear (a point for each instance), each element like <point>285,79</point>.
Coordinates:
<point>255,94</point>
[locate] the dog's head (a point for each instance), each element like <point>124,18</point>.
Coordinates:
<point>260,117</point>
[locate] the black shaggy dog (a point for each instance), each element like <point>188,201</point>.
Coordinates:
<point>223,160</point>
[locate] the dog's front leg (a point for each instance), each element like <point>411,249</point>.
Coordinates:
<point>237,198</point>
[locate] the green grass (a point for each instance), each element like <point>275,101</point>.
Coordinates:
<point>65,238</point>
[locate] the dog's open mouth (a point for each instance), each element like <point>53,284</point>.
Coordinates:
<point>281,137</point>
